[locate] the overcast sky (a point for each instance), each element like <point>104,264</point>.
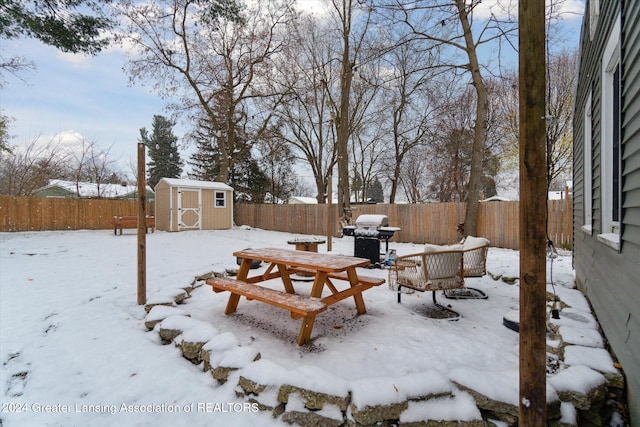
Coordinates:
<point>70,97</point>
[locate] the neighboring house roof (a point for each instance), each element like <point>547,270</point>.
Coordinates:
<point>176,182</point>
<point>560,195</point>
<point>496,199</point>
<point>302,200</point>
<point>91,189</point>
<point>557,195</point>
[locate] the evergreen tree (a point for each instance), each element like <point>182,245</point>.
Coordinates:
<point>205,162</point>
<point>163,150</point>
<point>248,180</point>
<point>375,191</point>
<point>4,133</point>
<point>250,183</point>
<point>76,26</point>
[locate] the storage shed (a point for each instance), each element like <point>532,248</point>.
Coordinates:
<point>183,204</point>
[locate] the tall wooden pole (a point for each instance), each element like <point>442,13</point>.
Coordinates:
<point>142,227</point>
<point>330,214</point>
<point>533,211</point>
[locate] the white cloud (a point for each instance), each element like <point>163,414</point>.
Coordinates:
<point>565,9</point>
<point>313,7</point>
<point>67,143</point>
<point>571,9</point>
<point>69,140</point>
<point>77,60</point>
<point>498,8</point>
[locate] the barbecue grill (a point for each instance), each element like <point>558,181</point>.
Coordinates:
<point>368,231</point>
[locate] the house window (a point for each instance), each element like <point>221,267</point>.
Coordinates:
<point>587,169</point>
<point>615,150</point>
<point>221,199</point>
<point>611,137</point>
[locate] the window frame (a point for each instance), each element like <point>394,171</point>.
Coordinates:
<point>611,112</point>
<point>223,199</point>
<point>594,15</point>
<point>587,167</point>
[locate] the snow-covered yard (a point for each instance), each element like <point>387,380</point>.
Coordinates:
<point>74,348</point>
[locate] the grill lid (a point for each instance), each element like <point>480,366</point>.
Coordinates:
<point>372,221</point>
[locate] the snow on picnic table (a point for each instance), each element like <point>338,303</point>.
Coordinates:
<point>74,349</point>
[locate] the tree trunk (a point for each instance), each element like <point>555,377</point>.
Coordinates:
<point>324,193</point>
<point>480,129</point>
<point>344,202</point>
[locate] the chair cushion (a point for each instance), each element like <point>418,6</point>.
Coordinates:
<point>474,243</point>
<point>429,248</point>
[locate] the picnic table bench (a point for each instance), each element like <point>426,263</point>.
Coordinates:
<point>299,306</point>
<point>368,281</point>
<point>120,222</point>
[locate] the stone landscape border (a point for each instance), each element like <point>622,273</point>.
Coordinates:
<point>298,401</point>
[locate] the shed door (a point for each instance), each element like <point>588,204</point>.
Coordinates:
<point>189,212</point>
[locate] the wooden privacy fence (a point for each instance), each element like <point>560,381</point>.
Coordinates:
<point>39,213</point>
<point>420,223</point>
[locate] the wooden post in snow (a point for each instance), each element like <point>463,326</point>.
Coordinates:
<point>330,214</point>
<point>533,213</point>
<point>142,228</point>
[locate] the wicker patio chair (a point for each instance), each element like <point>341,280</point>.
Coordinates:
<point>429,271</point>
<point>474,257</point>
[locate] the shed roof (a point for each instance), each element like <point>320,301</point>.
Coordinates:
<point>176,182</point>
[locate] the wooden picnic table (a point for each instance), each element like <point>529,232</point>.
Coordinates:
<point>326,268</point>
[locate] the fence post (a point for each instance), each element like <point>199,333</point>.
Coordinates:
<point>329,214</point>
<point>142,228</point>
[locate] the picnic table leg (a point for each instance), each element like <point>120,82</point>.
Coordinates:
<point>306,328</point>
<point>318,284</point>
<point>232,304</point>
<point>353,280</point>
<point>243,271</point>
<point>286,280</point>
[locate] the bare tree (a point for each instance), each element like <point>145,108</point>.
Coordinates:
<point>217,56</point>
<point>25,169</point>
<point>368,113</point>
<point>561,84</point>
<point>450,148</point>
<point>450,24</point>
<point>367,151</point>
<point>412,175</point>
<point>15,65</point>
<point>562,81</point>
<point>409,105</point>
<point>277,164</point>
<point>353,20</point>
<point>305,119</point>
<point>93,164</point>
